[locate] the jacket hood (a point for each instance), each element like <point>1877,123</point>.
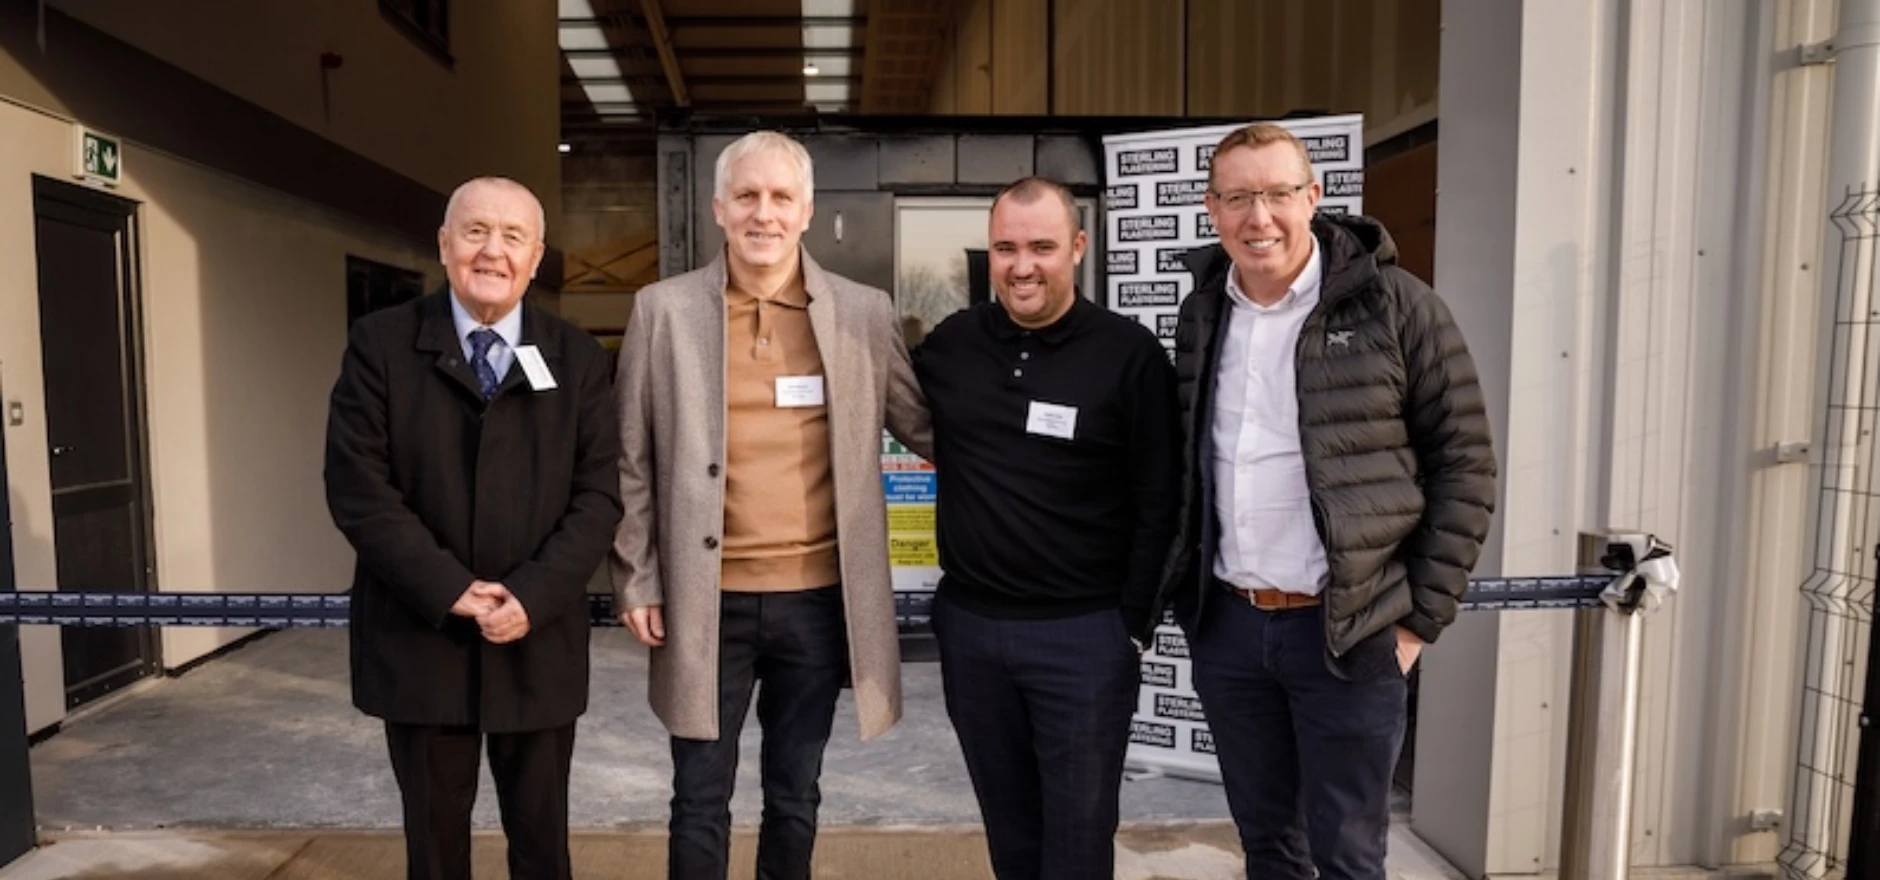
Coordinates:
<point>1352,245</point>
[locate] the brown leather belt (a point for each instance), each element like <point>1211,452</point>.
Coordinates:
<point>1267,599</point>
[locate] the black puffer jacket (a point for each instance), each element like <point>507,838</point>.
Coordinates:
<point>1397,451</point>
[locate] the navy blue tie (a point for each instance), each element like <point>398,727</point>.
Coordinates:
<point>480,341</point>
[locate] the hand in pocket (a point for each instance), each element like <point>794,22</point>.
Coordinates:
<point>1409,647</point>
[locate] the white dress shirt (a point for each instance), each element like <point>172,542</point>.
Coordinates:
<point>508,332</point>
<point>1260,497</point>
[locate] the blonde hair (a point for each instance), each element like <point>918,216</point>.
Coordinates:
<point>764,142</point>
<point>1261,134</point>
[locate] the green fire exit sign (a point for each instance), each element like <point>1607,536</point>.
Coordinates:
<point>98,157</point>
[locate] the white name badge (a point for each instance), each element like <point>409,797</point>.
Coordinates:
<point>535,368</point>
<point>795,391</point>
<point>1052,420</point>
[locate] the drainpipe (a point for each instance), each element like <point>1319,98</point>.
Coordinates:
<point>1825,810</point>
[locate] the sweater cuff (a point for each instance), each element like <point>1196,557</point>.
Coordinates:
<point>1425,628</point>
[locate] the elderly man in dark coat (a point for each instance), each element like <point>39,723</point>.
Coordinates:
<point>471,461</point>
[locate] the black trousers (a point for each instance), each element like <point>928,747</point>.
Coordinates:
<point>793,649</point>
<point>1042,710</point>
<point>1306,756</point>
<point>436,769</point>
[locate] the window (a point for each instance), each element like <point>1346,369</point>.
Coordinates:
<point>371,286</point>
<point>427,21</point>
<point>940,258</point>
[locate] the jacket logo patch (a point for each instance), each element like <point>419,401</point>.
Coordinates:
<point>1338,337</point>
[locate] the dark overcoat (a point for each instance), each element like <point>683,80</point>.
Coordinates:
<point>434,487</point>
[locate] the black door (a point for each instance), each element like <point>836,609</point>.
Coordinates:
<point>88,331</point>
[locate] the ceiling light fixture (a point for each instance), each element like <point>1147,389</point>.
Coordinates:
<point>810,68</point>
<point>564,148</point>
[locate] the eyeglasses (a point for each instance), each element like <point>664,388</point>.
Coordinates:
<point>1241,200</point>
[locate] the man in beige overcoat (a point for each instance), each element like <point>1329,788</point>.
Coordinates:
<point>753,393</point>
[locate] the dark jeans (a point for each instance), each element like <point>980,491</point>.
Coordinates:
<point>1042,710</point>
<point>1306,756</point>
<point>436,768</point>
<point>795,645</point>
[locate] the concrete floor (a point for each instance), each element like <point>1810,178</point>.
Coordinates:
<point>1202,851</point>
<point>265,738</point>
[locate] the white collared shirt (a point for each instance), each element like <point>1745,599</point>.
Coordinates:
<point>1261,500</point>
<point>508,331</point>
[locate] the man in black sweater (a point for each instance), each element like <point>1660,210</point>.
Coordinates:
<point>1055,438</point>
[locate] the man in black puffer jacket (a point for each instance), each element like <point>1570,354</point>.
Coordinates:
<point>1339,479</point>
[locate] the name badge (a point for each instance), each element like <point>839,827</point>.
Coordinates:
<point>1052,420</point>
<point>794,391</point>
<point>535,368</point>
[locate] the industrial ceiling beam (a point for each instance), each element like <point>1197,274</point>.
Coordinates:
<point>626,108</point>
<point>699,22</point>
<point>698,80</point>
<point>662,42</point>
<point>767,52</point>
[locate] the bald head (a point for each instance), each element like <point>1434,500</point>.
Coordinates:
<point>504,184</point>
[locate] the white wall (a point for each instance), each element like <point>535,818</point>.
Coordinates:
<point>494,109</point>
<point>245,308</point>
<point>245,321</point>
<point>1634,295</point>
<point>1456,720</point>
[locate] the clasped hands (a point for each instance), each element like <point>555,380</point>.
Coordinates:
<point>498,613</point>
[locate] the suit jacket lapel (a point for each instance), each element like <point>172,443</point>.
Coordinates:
<point>712,374</point>
<point>825,319</point>
<point>438,334</point>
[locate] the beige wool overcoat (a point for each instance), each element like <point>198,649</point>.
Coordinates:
<point>671,386</point>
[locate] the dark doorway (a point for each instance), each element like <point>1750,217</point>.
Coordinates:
<point>91,348</point>
<point>1864,838</point>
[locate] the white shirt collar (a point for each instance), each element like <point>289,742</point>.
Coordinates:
<point>1304,289</point>
<point>508,327</point>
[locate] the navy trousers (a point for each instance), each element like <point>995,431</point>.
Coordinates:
<point>1306,755</point>
<point>1042,710</point>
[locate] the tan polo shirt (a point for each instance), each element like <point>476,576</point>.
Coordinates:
<point>780,513</point>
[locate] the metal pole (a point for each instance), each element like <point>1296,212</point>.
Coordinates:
<point>1844,478</point>
<point>1582,716</point>
<point>1854,141</point>
<point>1618,864</point>
<point>1602,744</point>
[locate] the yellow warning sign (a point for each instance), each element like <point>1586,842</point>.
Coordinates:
<point>911,518</point>
<point>916,550</point>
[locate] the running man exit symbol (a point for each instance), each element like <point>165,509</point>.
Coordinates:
<point>99,158</point>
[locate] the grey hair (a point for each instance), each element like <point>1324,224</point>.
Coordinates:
<point>456,195</point>
<point>763,142</point>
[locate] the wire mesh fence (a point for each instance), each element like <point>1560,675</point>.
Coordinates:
<point>1839,593</point>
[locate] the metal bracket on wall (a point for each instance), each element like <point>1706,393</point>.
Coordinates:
<point>1809,54</point>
